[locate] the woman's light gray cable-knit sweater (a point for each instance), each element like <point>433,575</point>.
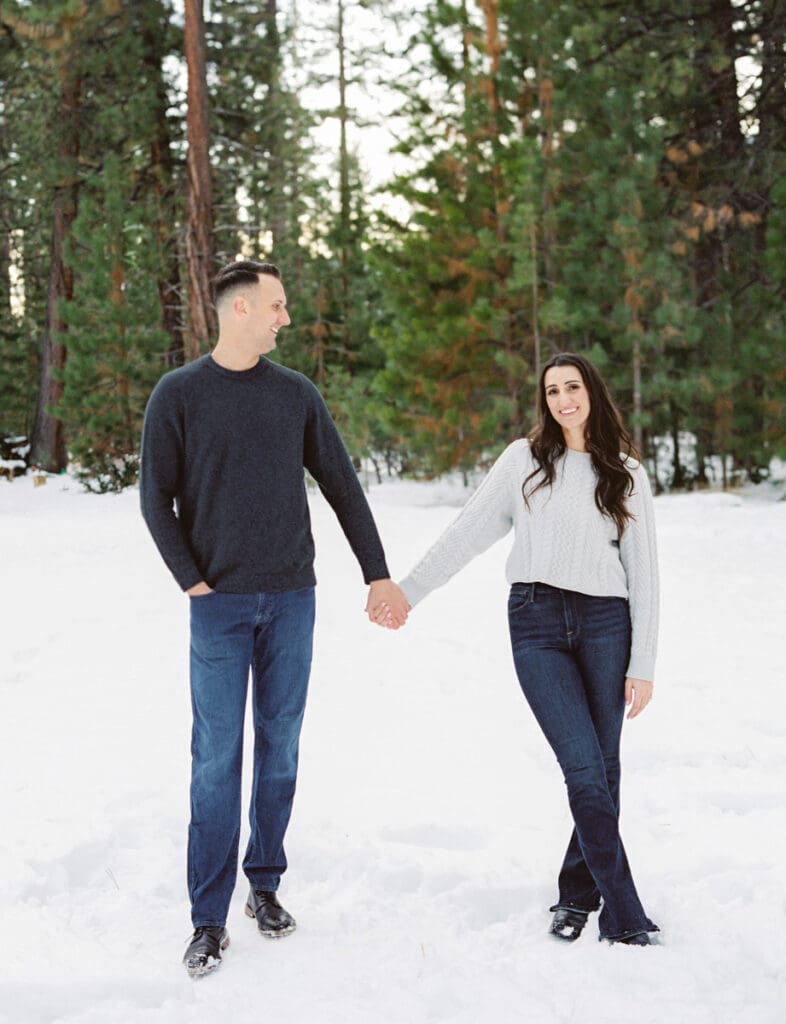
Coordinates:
<point>562,539</point>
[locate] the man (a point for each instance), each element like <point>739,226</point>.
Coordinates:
<point>224,444</point>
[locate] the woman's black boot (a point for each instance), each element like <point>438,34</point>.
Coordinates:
<point>639,939</point>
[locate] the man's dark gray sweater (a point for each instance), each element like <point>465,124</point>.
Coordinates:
<point>222,483</point>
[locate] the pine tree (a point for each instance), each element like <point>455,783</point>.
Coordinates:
<point>199,245</point>
<point>267,188</point>
<point>160,40</point>
<point>112,325</point>
<point>274,202</point>
<point>114,348</point>
<point>24,229</point>
<point>601,158</point>
<point>261,150</point>
<point>338,336</point>
<point>464,284</point>
<point>59,50</point>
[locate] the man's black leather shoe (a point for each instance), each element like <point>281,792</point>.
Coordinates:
<point>204,950</point>
<point>568,924</point>
<point>272,920</point>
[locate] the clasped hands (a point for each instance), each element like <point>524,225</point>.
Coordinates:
<point>387,604</point>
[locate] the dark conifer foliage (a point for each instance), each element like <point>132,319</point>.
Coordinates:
<point>637,150</point>
<point>602,177</point>
<point>25,228</point>
<point>113,329</point>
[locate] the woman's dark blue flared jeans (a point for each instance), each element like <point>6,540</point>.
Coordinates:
<point>270,634</point>
<point>571,652</point>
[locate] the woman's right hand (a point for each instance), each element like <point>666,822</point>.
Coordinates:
<point>639,692</point>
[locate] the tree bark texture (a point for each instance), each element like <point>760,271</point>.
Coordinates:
<point>199,191</point>
<point>5,238</point>
<point>48,443</point>
<point>163,175</point>
<point>277,214</point>
<point>343,162</point>
<point>718,129</point>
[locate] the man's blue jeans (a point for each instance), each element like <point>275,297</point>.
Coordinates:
<point>271,634</point>
<point>571,652</point>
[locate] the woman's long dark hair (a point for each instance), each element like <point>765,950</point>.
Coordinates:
<point>607,441</point>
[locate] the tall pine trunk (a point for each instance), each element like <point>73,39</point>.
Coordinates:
<point>199,191</point>
<point>343,158</point>
<point>5,238</point>
<point>48,442</point>
<point>277,213</point>
<point>162,169</point>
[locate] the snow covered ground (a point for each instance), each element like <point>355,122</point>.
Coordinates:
<point>430,817</point>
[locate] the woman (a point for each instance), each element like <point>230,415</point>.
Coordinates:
<point>583,612</point>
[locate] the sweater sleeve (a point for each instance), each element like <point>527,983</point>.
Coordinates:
<point>485,519</point>
<point>327,460</point>
<point>161,466</point>
<point>639,555</point>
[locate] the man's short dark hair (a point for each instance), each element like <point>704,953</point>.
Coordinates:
<point>240,274</point>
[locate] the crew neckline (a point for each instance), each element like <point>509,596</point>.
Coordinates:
<point>248,374</point>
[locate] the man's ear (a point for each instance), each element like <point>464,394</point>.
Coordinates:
<point>240,306</point>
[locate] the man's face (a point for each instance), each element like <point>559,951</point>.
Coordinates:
<point>267,312</point>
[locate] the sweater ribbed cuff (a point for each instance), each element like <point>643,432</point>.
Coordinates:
<point>641,666</point>
<point>414,593</point>
<point>375,571</point>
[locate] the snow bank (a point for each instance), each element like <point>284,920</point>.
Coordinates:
<point>430,817</point>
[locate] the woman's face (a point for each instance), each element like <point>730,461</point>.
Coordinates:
<point>567,397</point>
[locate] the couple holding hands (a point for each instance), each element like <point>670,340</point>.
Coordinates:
<point>225,441</point>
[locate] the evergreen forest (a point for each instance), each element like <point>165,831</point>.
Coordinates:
<point>602,177</point>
